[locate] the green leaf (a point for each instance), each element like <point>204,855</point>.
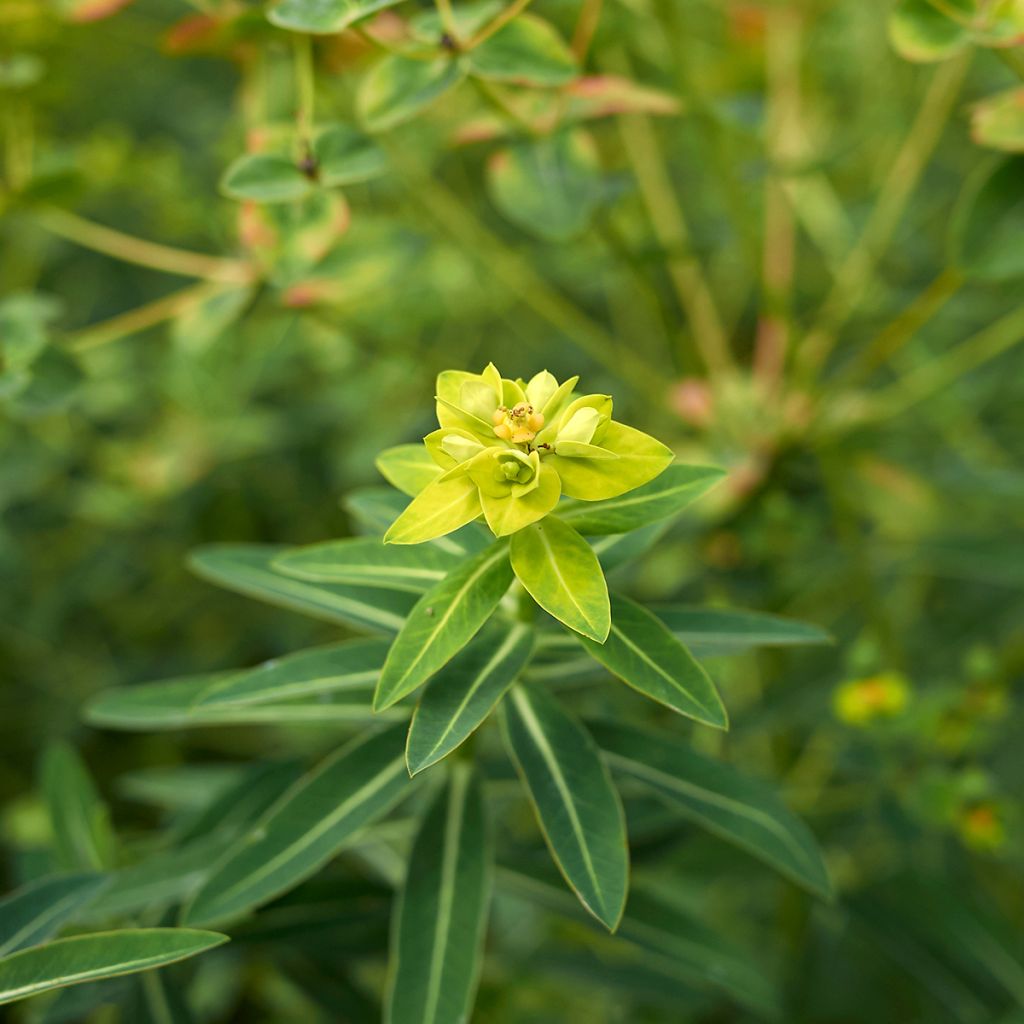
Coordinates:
<point>440,508</point>
<point>670,939</point>
<point>248,569</point>
<point>548,186</point>
<point>920,31</point>
<point>738,809</point>
<point>642,652</point>
<point>408,467</point>
<point>640,459</point>
<point>667,495</point>
<point>413,568</point>
<point>526,51</point>
<point>102,955</point>
<point>733,630</point>
<point>441,914</point>
<point>444,620</point>
<point>171,704</point>
<point>615,549</point>
<point>465,691</point>
<point>998,121</point>
<point>562,574</point>
<point>510,513</point>
<point>351,664</point>
<point>323,17</point>
<point>36,911</point>
<point>988,222</point>
<point>577,806</point>
<point>83,837</point>
<point>345,156</point>
<point>265,178</point>
<point>397,88</point>
<point>306,827</point>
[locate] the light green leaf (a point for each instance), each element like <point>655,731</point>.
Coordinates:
<point>351,664</point>
<point>465,691</point>
<point>397,88</point>
<point>739,809</point>
<point>667,495</point>
<point>36,911</point>
<point>306,827</point>
<point>83,836</point>
<point>577,806</point>
<point>374,509</point>
<point>998,121</point>
<point>562,574</point>
<point>640,459</point>
<point>323,17</point>
<point>527,51</point>
<point>548,186</point>
<point>642,652</point>
<point>988,222</point>
<point>171,704</point>
<point>444,620</point>
<point>511,512</point>
<point>440,508</point>
<point>265,178</point>
<point>248,569</point>
<point>345,156</point>
<point>369,562</point>
<point>441,916</point>
<point>102,955</point>
<point>920,31</point>
<point>408,467</point>
<point>733,630</point>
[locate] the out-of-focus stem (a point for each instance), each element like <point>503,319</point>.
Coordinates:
<point>586,26</point>
<point>783,35</point>
<point>143,317</point>
<point>136,250</point>
<point>498,22</point>
<point>305,89</point>
<point>900,331</point>
<point>857,271</point>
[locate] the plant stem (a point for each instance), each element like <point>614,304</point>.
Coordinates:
<point>857,271</point>
<point>673,235</point>
<point>305,90</point>
<point>933,376</point>
<point>451,28</point>
<point>143,317</point>
<point>586,26</point>
<point>138,251</point>
<point>497,23</point>
<point>783,40</point>
<point>900,331</point>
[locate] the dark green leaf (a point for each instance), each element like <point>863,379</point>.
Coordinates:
<point>265,178</point>
<point>345,156</point>
<point>577,806</point>
<point>988,222</point>
<point>36,911</point>
<point>733,630</point>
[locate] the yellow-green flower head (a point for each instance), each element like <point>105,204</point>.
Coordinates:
<point>511,449</point>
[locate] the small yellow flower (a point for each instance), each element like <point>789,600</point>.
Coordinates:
<point>862,701</point>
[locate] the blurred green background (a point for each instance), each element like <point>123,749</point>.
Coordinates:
<point>788,257</point>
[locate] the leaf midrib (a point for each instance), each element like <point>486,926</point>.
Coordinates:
<point>561,579</point>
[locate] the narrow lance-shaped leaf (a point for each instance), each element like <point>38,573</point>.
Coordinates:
<point>563,575</point>
<point>666,495</point>
<point>577,806</point>
<point>642,652</point>
<point>739,809</point>
<point>343,666</point>
<point>444,620</point>
<point>441,915</point>
<point>733,630</point>
<point>172,704</point>
<point>36,911</point>
<point>369,562</point>
<point>248,569</point>
<point>465,691</point>
<point>102,955</point>
<point>306,827</point>
<point>82,833</point>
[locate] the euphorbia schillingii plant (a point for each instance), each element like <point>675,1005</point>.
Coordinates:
<point>522,497</point>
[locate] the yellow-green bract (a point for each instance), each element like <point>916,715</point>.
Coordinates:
<point>509,449</point>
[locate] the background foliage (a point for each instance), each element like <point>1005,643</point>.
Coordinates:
<point>795,255</point>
